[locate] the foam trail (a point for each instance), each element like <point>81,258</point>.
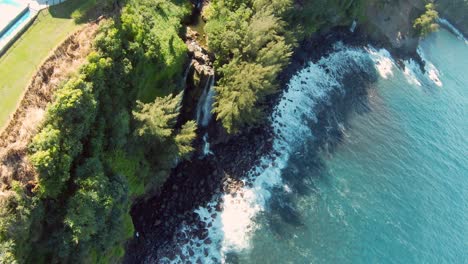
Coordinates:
<point>231,229</point>
<point>444,22</point>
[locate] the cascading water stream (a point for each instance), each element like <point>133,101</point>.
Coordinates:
<point>186,73</point>
<point>206,146</point>
<point>203,113</point>
<point>231,229</point>
<point>236,227</point>
<point>353,26</point>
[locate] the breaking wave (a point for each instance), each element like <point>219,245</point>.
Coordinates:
<point>231,228</point>
<point>227,223</point>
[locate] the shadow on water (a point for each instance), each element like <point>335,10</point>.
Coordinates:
<point>158,220</point>
<point>306,166</point>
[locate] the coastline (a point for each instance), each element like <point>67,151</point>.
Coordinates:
<point>196,183</point>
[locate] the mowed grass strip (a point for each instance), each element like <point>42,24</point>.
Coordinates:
<point>23,59</point>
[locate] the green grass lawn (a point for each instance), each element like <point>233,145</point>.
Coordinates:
<point>23,59</point>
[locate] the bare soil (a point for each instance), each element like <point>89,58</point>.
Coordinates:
<point>26,121</point>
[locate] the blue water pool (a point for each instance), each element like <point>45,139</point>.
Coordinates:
<point>13,16</point>
<point>19,23</point>
<point>10,2</point>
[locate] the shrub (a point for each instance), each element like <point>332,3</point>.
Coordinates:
<point>426,23</point>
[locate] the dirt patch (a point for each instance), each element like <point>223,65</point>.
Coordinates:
<point>26,121</point>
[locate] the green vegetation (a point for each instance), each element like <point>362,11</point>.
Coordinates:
<point>310,16</point>
<point>23,59</point>
<point>249,40</point>
<point>113,131</point>
<point>426,23</point>
<point>253,41</point>
<point>158,120</point>
<point>106,139</point>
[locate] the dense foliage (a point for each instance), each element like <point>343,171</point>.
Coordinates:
<point>426,23</point>
<point>98,148</point>
<point>113,130</point>
<point>249,40</point>
<point>253,41</point>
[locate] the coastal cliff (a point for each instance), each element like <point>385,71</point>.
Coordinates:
<point>222,169</point>
<point>168,115</point>
<point>456,11</point>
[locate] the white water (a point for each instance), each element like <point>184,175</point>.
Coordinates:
<point>453,29</point>
<point>205,103</point>
<point>206,146</point>
<point>231,230</point>
<point>187,70</point>
<point>383,62</point>
<point>353,26</point>
<point>385,65</point>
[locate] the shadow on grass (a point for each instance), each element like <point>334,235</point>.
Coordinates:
<point>78,10</point>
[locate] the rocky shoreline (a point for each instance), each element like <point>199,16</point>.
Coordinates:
<point>197,182</point>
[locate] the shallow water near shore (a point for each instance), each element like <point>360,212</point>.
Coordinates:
<point>390,186</point>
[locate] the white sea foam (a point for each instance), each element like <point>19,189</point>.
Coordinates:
<point>231,229</point>
<point>453,29</point>
<point>411,72</point>
<point>383,62</point>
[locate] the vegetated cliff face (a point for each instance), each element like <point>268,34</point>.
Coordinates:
<point>456,11</point>
<point>15,138</point>
<point>392,22</point>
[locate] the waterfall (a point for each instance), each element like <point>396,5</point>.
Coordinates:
<point>187,70</point>
<point>205,103</point>
<point>353,26</point>
<point>206,146</point>
<point>231,228</point>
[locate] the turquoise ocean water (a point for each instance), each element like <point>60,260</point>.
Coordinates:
<point>394,189</point>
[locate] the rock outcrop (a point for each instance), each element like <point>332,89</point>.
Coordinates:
<point>392,22</point>
<point>455,11</point>
<point>199,73</point>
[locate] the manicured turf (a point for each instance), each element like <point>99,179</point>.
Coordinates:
<point>24,58</point>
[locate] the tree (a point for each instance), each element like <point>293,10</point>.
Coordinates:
<point>158,119</point>
<point>248,38</point>
<point>426,23</point>
<point>157,123</point>
<point>73,109</point>
<point>52,160</point>
<point>184,138</point>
